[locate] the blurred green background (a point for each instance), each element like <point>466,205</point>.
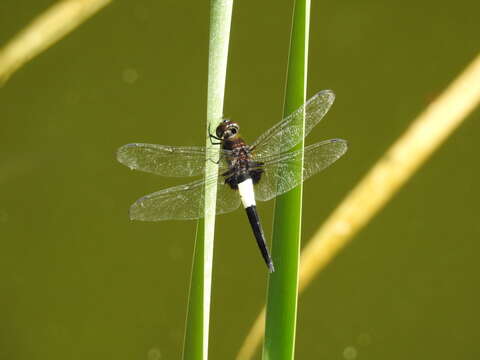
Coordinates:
<point>78,280</point>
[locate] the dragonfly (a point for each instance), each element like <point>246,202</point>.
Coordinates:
<point>247,173</point>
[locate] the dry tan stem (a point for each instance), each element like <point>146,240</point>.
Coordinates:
<point>398,164</point>
<point>44,31</point>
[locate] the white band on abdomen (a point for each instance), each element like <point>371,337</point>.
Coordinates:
<point>245,188</point>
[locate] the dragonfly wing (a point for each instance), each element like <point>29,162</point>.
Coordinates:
<point>288,132</point>
<point>280,176</point>
<point>167,160</point>
<point>183,202</point>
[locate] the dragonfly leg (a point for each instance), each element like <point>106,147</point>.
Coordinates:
<point>212,142</point>
<point>215,162</point>
<point>211,136</point>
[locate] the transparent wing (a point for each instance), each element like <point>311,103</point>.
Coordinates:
<point>279,171</point>
<point>288,132</point>
<point>167,160</point>
<point>183,202</point>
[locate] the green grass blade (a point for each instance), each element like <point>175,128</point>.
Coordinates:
<point>193,341</point>
<point>283,284</point>
<point>198,315</point>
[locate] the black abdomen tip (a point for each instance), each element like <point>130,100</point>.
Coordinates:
<point>259,236</point>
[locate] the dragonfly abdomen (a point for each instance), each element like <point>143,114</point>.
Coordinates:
<point>247,195</point>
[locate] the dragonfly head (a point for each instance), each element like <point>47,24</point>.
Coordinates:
<point>227,129</point>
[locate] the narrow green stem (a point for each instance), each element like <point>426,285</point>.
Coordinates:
<point>283,284</point>
<point>197,324</point>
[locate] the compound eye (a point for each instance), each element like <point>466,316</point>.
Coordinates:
<point>233,130</point>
